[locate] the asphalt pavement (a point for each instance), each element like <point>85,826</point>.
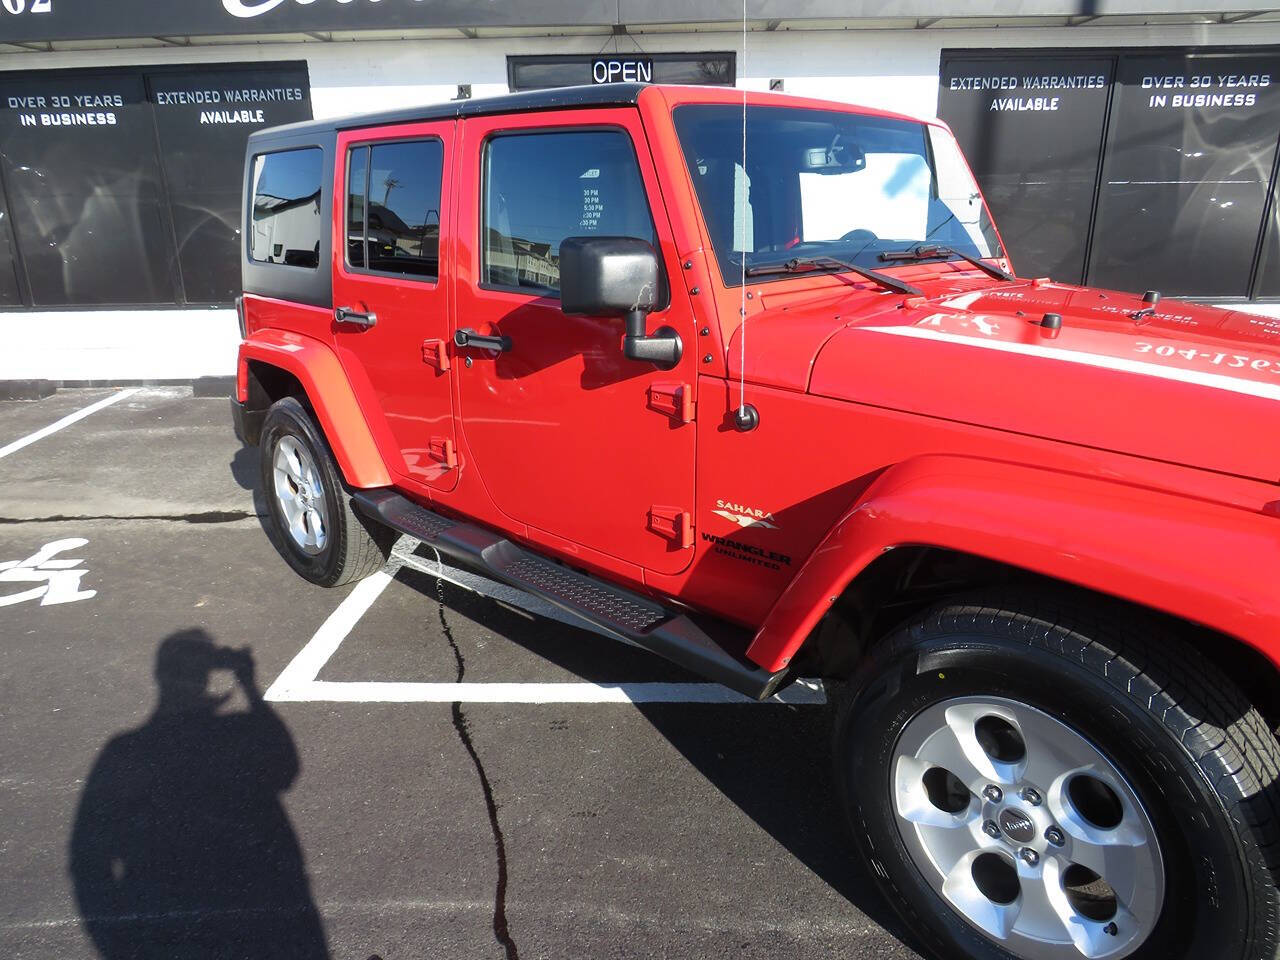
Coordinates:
<point>205,756</point>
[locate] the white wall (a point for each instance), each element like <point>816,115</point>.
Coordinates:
<point>892,69</point>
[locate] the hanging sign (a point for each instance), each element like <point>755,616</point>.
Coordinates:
<point>622,70</point>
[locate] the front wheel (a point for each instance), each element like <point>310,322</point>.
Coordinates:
<point>1029,781</point>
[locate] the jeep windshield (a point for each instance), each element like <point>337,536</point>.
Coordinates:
<point>828,186</point>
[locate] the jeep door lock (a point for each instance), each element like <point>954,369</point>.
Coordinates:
<point>354,317</point>
<point>466,337</point>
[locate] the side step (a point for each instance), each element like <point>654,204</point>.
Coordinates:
<point>618,611</point>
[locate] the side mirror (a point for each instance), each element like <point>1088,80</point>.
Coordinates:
<point>617,277</point>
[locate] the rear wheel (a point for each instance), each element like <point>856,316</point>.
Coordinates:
<point>1035,782</point>
<point>311,519</point>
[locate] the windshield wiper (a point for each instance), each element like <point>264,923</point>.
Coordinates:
<point>803,264</point>
<point>934,252</point>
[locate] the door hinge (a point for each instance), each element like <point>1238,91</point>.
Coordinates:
<point>442,451</point>
<point>436,353</point>
<point>673,523</point>
<point>673,399</point>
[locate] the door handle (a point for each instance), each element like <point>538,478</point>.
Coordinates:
<point>354,317</point>
<point>466,337</point>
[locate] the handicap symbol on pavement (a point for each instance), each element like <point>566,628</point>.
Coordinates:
<point>59,583</point>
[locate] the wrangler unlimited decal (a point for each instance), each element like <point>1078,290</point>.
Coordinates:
<point>747,553</point>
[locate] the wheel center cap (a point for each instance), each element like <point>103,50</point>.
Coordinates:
<point>1017,826</point>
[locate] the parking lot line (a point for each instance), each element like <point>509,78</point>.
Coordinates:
<point>66,421</point>
<point>381,691</point>
<point>298,681</point>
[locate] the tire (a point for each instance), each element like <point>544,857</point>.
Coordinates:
<point>331,544</point>
<point>1190,760</point>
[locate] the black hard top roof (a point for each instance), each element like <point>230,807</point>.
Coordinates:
<point>558,98</point>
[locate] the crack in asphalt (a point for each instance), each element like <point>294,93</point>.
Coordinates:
<point>208,516</point>
<point>500,927</point>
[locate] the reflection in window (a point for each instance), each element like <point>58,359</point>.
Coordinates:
<point>357,190</point>
<point>404,207</point>
<point>393,207</point>
<point>286,208</point>
<point>827,183</point>
<point>541,188</point>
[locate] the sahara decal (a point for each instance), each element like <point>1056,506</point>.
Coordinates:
<point>745,516</point>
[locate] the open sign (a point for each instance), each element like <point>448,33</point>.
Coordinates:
<point>622,70</point>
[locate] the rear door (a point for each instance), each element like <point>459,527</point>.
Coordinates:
<point>392,311</point>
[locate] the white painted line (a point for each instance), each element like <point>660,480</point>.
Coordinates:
<point>801,692</point>
<point>303,669</point>
<point>298,683</point>
<point>66,421</point>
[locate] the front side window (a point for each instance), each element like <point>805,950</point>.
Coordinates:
<point>393,207</point>
<point>826,183</point>
<point>285,219</point>
<point>540,188</point>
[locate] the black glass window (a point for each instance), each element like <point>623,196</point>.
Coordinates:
<point>1032,132</point>
<point>85,190</point>
<point>1268,281</point>
<point>1188,160</point>
<point>540,188</point>
<point>10,292</point>
<point>1170,197</point>
<point>393,207</point>
<point>203,119</point>
<point>123,184</point>
<point>285,219</point>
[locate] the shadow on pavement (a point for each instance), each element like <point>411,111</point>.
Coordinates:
<point>773,762</point>
<point>181,847</point>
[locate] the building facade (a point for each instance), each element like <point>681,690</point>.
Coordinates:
<point>1130,145</point>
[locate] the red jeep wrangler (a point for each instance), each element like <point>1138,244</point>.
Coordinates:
<point>752,385</point>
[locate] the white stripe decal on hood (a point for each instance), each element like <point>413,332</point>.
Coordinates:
<point>1218,381</point>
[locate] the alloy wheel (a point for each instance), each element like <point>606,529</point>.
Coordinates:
<point>300,495</point>
<point>1027,830</point>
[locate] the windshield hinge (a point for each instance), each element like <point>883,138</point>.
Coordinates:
<point>443,452</point>
<point>436,353</point>
<point>674,524</point>
<point>673,399</point>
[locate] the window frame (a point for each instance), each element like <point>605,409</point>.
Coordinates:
<point>482,280</point>
<point>368,144</point>
<point>248,233</point>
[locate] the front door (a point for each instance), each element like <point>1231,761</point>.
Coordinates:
<point>391,307</point>
<point>570,437</point>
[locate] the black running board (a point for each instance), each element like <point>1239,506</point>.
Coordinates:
<point>615,610</point>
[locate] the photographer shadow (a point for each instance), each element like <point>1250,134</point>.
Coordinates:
<point>181,847</point>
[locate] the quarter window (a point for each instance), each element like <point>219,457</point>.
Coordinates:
<point>286,208</point>
<point>543,187</point>
<point>393,207</point>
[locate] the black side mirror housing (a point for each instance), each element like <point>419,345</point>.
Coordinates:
<point>617,277</point>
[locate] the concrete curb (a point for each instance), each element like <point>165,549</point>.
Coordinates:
<point>39,389</point>
<point>27,389</point>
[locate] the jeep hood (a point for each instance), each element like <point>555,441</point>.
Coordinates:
<point>1192,385</point>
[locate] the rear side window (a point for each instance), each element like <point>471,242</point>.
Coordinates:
<point>285,219</point>
<point>393,207</point>
<point>542,187</point>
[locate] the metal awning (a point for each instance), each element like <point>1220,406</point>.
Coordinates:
<point>52,25</point>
